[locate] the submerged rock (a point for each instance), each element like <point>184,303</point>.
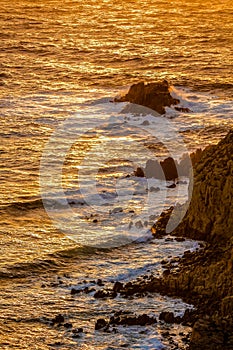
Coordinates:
<point>75,291</point>
<point>154,189</point>
<point>58,319</point>
<point>183,109</point>
<point>169,317</point>
<point>77,332</point>
<point>102,294</point>
<point>152,95</point>
<point>134,320</point>
<point>171,186</point>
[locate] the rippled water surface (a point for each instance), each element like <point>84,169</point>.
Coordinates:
<point>61,60</point>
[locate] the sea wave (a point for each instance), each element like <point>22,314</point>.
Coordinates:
<point>24,269</point>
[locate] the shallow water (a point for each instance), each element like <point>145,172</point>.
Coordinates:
<point>62,62</point>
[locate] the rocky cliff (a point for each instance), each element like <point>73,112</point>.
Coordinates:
<point>206,278</point>
<point>210,214</point>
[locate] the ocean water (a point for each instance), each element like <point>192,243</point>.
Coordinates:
<point>61,63</point>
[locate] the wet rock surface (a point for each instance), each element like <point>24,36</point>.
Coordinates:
<point>139,172</point>
<point>204,278</point>
<point>124,318</point>
<point>170,169</point>
<point>131,320</point>
<point>155,96</point>
<point>159,228</point>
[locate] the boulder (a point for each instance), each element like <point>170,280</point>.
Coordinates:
<point>100,323</point>
<point>118,286</point>
<point>139,172</point>
<point>169,166</point>
<point>155,96</point>
<point>164,170</point>
<point>153,169</point>
<point>102,294</point>
<point>169,317</point>
<point>159,228</point>
<point>99,282</point>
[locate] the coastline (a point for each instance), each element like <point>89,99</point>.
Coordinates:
<point>205,276</point>
<point>202,278</point>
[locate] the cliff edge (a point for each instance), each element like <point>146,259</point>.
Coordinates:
<point>206,277</point>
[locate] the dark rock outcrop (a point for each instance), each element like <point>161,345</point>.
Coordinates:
<point>153,169</point>
<point>167,169</point>
<point>139,172</point>
<point>169,166</point>
<point>102,294</point>
<point>152,95</point>
<point>134,320</point>
<point>159,228</point>
<point>118,286</point>
<point>170,169</point>
<point>204,278</point>
<point>210,214</point>
<point>100,323</point>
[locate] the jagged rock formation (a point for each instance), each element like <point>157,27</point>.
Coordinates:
<point>205,278</point>
<point>210,214</point>
<point>170,169</point>
<point>210,218</point>
<point>152,95</point>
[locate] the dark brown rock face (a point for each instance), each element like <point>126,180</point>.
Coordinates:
<point>205,278</point>
<point>152,95</point>
<point>210,214</point>
<point>139,172</point>
<point>159,228</point>
<point>189,160</point>
<point>139,320</point>
<point>169,167</point>
<point>154,169</point>
<point>164,170</point>
<point>209,274</point>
